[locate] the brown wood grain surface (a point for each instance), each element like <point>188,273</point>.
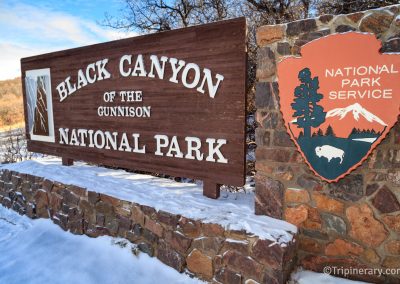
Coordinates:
<point>175,110</point>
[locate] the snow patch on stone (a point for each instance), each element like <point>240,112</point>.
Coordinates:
<point>233,211</point>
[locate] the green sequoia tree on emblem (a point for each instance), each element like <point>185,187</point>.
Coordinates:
<point>307,112</point>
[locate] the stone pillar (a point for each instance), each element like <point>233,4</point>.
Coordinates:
<point>356,221</point>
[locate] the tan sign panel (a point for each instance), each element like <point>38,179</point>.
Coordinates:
<point>339,100</point>
<point>171,103</point>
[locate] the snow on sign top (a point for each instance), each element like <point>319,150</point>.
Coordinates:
<point>232,211</point>
<point>339,100</point>
<point>171,102</point>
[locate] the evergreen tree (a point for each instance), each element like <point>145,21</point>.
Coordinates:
<point>307,111</point>
<point>329,131</point>
<point>353,131</point>
<point>320,132</point>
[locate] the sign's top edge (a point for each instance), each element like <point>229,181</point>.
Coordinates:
<point>238,20</point>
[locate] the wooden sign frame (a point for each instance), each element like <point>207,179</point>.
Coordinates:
<point>172,102</point>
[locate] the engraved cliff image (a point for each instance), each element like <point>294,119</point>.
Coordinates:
<point>39,106</point>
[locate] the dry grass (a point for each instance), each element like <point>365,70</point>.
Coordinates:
<point>11,105</point>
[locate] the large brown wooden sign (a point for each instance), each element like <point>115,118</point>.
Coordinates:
<point>171,103</point>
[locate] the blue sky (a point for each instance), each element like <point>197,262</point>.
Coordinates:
<point>34,27</point>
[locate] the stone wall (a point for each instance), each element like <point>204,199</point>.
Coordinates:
<point>205,250</point>
<point>356,221</point>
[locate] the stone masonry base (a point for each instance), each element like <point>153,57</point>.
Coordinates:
<point>207,251</point>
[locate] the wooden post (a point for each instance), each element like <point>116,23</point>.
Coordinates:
<point>67,161</point>
<point>211,189</point>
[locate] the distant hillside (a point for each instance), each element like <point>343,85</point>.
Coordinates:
<point>11,106</point>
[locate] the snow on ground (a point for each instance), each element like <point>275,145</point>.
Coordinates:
<point>310,277</point>
<point>233,210</point>
<point>37,252</point>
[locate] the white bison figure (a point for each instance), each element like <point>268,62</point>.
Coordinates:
<point>329,152</point>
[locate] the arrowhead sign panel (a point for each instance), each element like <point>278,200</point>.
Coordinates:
<point>339,100</point>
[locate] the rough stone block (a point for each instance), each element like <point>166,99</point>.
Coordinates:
<point>296,215</point>
<point>303,26</point>
<point>393,247</point>
<point>294,195</point>
<point>344,29</point>
<point>212,230</point>
<point>364,227</point>
<point>385,201</point>
<point>200,263</point>
<point>371,256</point>
<point>325,18</point>
<point>263,137</point>
<point>392,262</point>
<point>269,34</point>
<point>170,257</point>
<point>146,248</point>
<point>376,23</point>
<point>266,65</point>
<point>268,253</point>
<point>349,188</point>
<point>342,247</point>
<point>325,203</point>
<point>306,38</point>
<point>334,223</point>
<point>310,245</point>
<point>393,222</point>
<point>190,228</point>
<point>178,241</point>
<point>210,245</point>
<point>47,185</point>
<point>226,275</point>
<point>168,218</point>
<point>70,198</point>
<point>114,202</point>
<point>282,139</point>
<point>267,96</point>
<point>239,246</point>
<point>93,197</point>
<point>274,155</point>
<point>137,215</point>
<point>269,197</point>
<point>153,226</point>
<point>355,17</point>
<point>124,225</point>
<point>309,182</point>
<point>245,265</point>
<point>104,208</point>
<point>284,48</point>
<point>149,236</point>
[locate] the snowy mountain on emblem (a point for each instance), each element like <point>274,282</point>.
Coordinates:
<point>357,110</point>
<point>344,120</point>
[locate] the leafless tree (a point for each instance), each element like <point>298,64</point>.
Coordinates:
<point>350,6</point>
<point>162,15</point>
<point>13,148</point>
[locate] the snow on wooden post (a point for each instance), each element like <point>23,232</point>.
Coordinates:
<point>172,103</point>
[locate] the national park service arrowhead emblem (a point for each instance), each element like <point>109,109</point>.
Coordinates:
<point>339,100</point>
